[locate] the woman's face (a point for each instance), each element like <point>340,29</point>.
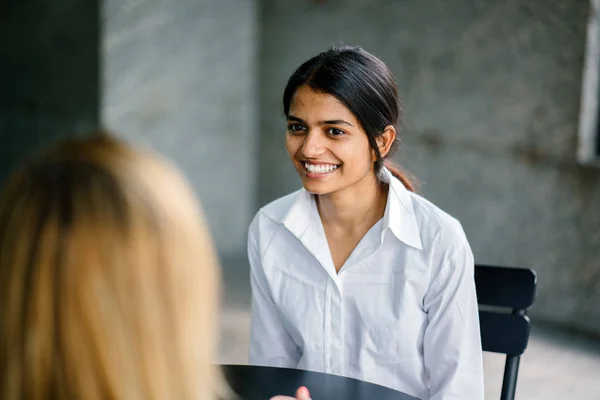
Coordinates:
<point>326,143</point>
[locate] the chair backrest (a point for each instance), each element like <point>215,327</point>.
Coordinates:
<point>504,294</point>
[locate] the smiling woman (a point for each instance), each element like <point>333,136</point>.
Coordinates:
<point>362,104</point>
<point>326,143</point>
<point>355,274</point>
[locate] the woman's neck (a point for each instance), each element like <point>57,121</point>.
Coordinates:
<point>354,209</point>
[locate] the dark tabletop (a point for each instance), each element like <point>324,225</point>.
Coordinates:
<point>261,383</point>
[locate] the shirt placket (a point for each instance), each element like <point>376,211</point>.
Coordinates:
<point>334,354</point>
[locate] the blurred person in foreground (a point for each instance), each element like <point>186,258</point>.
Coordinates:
<point>109,282</point>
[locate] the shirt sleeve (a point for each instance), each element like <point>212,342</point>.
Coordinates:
<point>270,342</point>
<point>452,341</point>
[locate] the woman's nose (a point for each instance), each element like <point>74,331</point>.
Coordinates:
<point>313,145</point>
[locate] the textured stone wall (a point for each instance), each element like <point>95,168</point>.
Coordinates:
<point>49,74</point>
<point>180,76</point>
<point>491,91</point>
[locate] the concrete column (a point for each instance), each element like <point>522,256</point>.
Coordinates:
<point>49,74</point>
<point>178,76</point>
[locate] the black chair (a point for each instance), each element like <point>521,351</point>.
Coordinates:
<point>504,294</point>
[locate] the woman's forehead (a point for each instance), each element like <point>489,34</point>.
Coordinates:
<point>310,105</point>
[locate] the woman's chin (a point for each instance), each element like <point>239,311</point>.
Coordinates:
<point>318,188</point>
<point>321,183</point>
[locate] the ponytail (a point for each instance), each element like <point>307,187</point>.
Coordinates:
<point>408,180</point>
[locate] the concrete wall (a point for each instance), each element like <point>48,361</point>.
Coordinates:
<point>180,76</point>
<point>177,76</point>
<point>49,74</point>
<point>491,92</point>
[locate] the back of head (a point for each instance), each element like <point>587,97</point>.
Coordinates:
<point>108,279</point>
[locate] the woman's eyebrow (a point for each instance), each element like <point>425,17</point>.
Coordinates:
<point>325,122</point>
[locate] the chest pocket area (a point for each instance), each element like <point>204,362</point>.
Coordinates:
<point>300,305</point>
<point>384,318</point>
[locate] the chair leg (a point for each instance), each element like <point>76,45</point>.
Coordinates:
<point>509,383</point>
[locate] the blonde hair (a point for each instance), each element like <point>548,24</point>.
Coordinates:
<point>109,283</point>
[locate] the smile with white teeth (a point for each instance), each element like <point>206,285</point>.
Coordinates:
<point>320,168</point>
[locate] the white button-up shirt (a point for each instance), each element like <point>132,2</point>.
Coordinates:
<point>401,312</point>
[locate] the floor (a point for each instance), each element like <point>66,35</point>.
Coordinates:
<point>556,365</point>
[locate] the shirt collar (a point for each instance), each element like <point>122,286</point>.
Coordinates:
<point>301,213</point>
<point>399,216</point>
<point>304,222</point>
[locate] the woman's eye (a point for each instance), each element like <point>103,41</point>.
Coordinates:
<point>295,128</point>
<point>335,132</point>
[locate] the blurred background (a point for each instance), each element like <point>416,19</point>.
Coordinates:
<point>498,96</point>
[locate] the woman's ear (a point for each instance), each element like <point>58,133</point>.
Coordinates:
<point>386,139</point>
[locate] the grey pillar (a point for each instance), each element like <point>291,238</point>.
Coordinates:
<point>177,76</point>
<point>49,74</point>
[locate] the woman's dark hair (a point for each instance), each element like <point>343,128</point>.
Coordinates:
<point>364,84</point>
